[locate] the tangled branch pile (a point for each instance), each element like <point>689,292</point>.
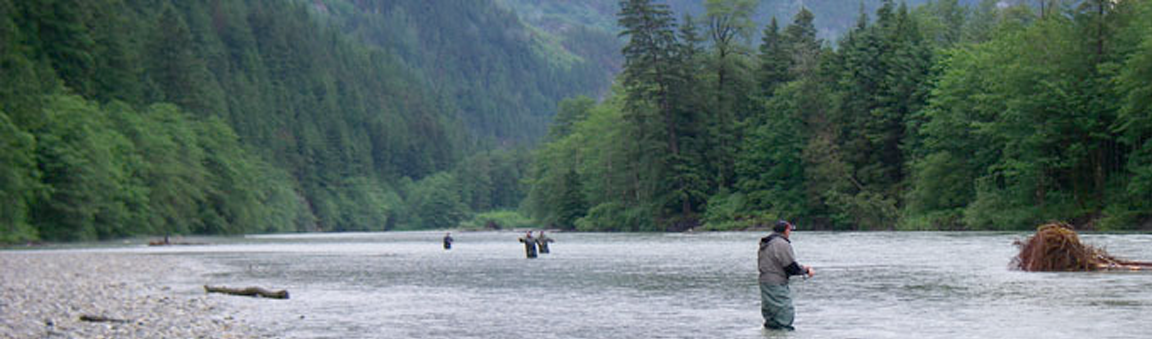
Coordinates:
<point>1056,247</point>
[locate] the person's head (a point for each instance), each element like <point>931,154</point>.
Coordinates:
<point>783,227</point>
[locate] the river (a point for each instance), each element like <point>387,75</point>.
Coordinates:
<point>598,285</point>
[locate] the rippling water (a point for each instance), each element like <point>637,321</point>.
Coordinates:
<point>867,285</point>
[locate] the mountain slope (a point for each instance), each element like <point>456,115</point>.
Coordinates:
<point>505,78</point>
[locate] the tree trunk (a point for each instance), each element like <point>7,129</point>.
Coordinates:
<point>248,291</point>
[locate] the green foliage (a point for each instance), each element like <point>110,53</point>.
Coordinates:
<point>999,209</point>
<point>570,112</point>
<point>942,22</point>
<point>941,117</point>
<point>86,167</point>
<point>435,203</point>
<point>23,79</point>
<point>128,117</point>
<point>730,22</point>
<point>774,60</point>
<point>507,75</point>
<point>18,182</point>
<point>170,165</point>
<point>726,212</point>
<point>608,216</point>
<point>55,32</point>
<point>556,190</point>
<point>113,172</point>
<point>770,165</point>
<point>491,180</point>
<point>502,219</point>
<point>942,188</point>
<point>945,179</point>
<point>1035,136</point>
<point>1134,122</point>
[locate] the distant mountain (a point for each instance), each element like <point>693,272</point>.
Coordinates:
<point>505,77</point>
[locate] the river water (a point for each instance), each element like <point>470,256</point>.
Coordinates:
<point>595,285</point>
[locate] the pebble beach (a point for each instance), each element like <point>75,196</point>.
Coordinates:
<point>45,294</point>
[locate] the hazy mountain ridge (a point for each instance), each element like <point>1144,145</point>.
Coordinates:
<point>506,77</point>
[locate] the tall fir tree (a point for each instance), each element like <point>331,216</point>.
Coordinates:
<point>774,60</point>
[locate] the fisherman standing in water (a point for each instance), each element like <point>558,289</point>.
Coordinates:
<point>777,263</point>
<point>529,245</point>
<point>542,241</point>
<point>448,240</point>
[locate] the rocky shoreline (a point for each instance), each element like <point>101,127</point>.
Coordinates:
<point>44,294</point>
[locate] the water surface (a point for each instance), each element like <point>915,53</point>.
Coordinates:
<point>868,285</point>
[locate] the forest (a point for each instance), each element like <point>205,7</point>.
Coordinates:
<point>122,118</point>
<point>947,116</point>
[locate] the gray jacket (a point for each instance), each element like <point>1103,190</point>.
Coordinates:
<point>776,260</point>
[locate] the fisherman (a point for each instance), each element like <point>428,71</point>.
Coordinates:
<point>448,240</point>
<point>777,263</point>
<point>542,241</point>
<point>529,245</point>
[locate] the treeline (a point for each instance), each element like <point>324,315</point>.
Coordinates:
<point>942,117</point>
<point>145,117</point>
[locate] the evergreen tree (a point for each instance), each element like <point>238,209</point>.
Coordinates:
<point>18,182</point>
<point>982,23</point>
<point>770,164</point>
<point>729,28</point>
<point>570,112</point>
<point>801,43</point>
<point>572,199</point>
<point>647,78</point>
<point>56,34</point>
<point>172,64</point>
<point>1134,122</point>
<point>81,159</point>
<point>774,60</point>
<point>688,169</point>
<point>942,22</point>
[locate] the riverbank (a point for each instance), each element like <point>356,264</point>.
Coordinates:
<point>45,294</point>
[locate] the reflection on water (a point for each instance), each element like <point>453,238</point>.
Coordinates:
<point>868,285</point>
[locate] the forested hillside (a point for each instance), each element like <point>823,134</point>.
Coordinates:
<point>149,117</point>
<point>942,116</point>
<point>504,76</point>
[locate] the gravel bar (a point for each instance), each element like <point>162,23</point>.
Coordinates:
<point>44,294</point>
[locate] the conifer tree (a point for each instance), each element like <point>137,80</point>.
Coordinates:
<point>649,63</point>
<point>774,60</point>
<point>729,28</point>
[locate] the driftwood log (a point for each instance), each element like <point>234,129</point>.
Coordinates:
<point>174,243</point>
<point>248,291</point>
<point>1056,247</point>
<point>102,319</point>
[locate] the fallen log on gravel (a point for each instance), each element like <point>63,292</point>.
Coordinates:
<point>102,319</point>
<point>248,291</point>
<point>1056,247</point>
<point>174,243</point>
